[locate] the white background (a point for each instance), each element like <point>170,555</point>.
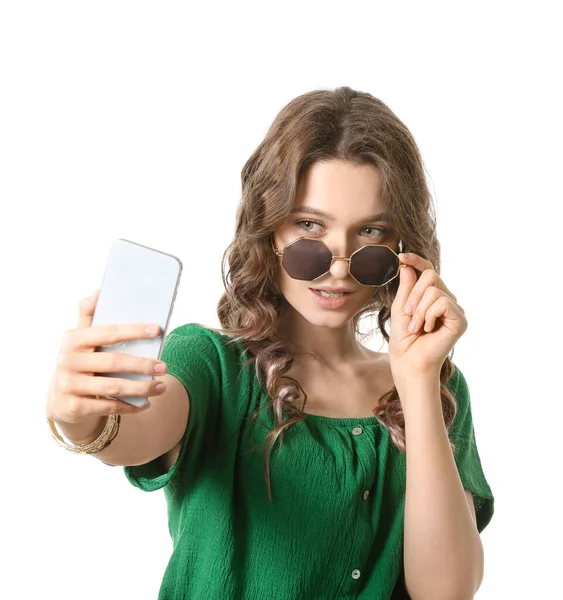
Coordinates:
<point>134,119</point>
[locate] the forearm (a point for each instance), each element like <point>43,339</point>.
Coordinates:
<point>443,554</point>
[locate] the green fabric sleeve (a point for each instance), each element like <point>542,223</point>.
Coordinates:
<point>192,354</point>
<point>466,454</point>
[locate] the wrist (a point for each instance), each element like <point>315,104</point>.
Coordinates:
<point>82,432</point>
<point>416,383</point>
<point>109,431</point>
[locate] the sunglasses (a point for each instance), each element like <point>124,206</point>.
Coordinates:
<point>309,259</point>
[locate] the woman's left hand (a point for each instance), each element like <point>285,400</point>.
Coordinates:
<point>439,321</point>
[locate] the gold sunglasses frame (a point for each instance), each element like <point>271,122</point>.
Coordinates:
<point>348,259</point>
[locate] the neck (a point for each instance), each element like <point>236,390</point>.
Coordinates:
<point>333,348</point>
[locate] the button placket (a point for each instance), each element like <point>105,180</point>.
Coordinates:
<point>363,534</point>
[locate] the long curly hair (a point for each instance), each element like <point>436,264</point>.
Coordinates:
<point>341,124</point>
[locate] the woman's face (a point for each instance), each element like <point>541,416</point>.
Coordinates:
<point>340,204</point>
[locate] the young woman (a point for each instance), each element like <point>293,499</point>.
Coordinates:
<point>296,462</point>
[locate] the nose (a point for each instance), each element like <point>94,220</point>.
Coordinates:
<point>339,268</point>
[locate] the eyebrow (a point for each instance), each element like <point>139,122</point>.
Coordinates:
<point>320,213</point>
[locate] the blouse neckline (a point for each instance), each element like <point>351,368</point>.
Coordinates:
<point>342,421</point>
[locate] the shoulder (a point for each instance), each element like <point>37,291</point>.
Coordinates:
<point>195,330</point>
<point>195,347</point>
<point>210,365</point>
<point>203,337</point>
<point>457,382</point>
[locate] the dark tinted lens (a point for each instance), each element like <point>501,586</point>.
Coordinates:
<point>306,259</point>
<point>374,265</point>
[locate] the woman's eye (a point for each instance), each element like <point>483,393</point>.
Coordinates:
<point>305,222</point>
<point>376,231</point>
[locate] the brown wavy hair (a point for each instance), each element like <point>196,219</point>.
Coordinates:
<point>341,124</point>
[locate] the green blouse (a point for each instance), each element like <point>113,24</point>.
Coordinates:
<point>334,528</point>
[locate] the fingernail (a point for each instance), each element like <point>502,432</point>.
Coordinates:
<point>152,329</point>
<point>160,368</point>
<point>160,387</point>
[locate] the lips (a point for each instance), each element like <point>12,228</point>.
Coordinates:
<point>331,302</point>
<point>333,290</point>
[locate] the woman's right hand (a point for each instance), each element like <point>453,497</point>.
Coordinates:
<point>74,387</point>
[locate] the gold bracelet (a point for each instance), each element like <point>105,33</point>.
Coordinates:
<point>102,441</point>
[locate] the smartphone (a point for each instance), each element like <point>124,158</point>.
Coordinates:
<point>139,286</point>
